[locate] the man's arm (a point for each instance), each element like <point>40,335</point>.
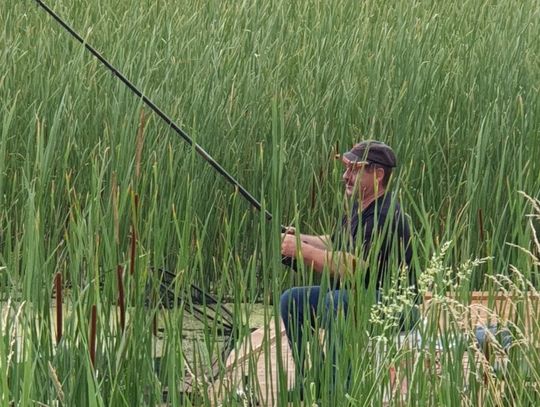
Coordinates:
<point>338,263</point>
<point>319,241</point>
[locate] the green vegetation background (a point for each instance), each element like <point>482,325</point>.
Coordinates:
<point>453,87</point>
<point>272,90</point>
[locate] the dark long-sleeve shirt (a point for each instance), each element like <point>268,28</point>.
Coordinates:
<point>380,230</point>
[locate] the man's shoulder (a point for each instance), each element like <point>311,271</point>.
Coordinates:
<point>387,208</point>
<point>383,205</point>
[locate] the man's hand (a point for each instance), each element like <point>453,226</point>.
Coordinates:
<point>288,245</point>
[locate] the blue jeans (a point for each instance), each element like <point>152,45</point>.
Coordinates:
<point>303,309</point>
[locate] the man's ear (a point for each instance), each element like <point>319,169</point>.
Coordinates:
<point>379,174</point>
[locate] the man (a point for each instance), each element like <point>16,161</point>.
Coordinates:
<point>374,232</point>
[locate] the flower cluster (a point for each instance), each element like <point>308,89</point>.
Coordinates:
<point>396,304</point>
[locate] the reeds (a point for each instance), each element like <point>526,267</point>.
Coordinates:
<point>91,186</point>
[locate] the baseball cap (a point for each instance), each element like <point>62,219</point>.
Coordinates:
<point>372,152</point>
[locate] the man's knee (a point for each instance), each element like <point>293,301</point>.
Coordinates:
<point>285,303</point>
<point>334,302</point>
<point>330,303</point>
<point>295,301</point>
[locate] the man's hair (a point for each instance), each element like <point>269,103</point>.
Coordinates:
<point>387,172</point>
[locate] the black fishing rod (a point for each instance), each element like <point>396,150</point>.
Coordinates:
<point>207,157</point>
<point>287,261</point>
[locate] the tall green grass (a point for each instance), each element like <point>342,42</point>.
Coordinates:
<point>272,90</point>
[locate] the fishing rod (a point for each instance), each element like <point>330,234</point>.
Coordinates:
<point>205,155</point>
<point>287,261</point>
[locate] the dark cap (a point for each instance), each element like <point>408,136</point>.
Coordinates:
<point>373,152</point>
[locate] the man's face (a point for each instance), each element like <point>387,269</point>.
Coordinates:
<point>360,180</point>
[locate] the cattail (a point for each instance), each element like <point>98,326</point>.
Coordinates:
<point>481,224</point>
<point>93,321</point>
<point>121,297</point>
<point>132,250</point>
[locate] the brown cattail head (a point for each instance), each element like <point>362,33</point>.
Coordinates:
<point>121,297</point>
<point>93,326</point>
<point>133,250</point>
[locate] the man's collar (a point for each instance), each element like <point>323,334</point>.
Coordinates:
<point>364,205</point>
